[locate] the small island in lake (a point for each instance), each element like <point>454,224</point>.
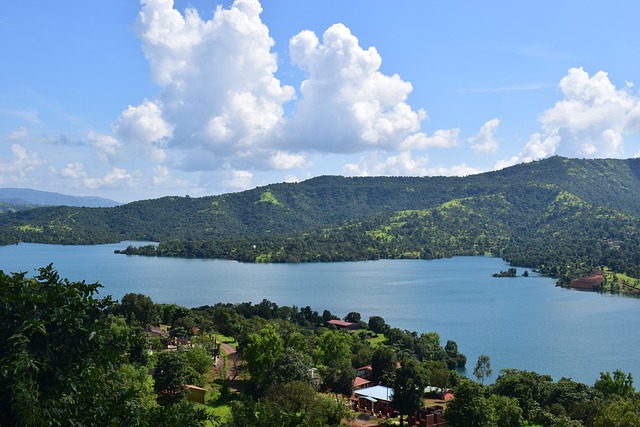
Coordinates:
<point>511,272</point>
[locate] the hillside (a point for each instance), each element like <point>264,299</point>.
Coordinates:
<point>12,199</point>
<point>559,215</point>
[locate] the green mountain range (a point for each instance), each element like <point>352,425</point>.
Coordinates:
<point>562,216</point>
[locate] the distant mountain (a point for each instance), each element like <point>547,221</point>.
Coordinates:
<point>29,197</point>
<point>562,216</point>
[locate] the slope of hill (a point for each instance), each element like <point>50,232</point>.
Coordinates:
<point>559,215</point>
<point>25,197</point>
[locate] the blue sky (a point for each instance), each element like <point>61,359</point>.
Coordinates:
<point>132,101</point>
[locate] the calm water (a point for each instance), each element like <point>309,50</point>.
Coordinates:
<point>524,323</point>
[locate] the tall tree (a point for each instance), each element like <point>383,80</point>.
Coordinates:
<point>260,355</point>
<point>482,370</point>
<point>333,358</point>
<point>619,383</point>
<point>383,365</point>
<point>408,387</point>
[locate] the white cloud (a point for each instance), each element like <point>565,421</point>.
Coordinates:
<point>592,120</point>
<point>456,170</point>
<point>162,178</point>
<point>283,160</point>
<point>18,134</point>
<point>74,171</point>
<point>238,180</point>
<point>593,117</point>
<point>442,138</point>
<point>114,178</point>
<point>347,105</point>
<point>22,162</point>
<point>107,145</point>
<point>143,128</point>
<point>401,164</point>
<point>219,91</point>
<point>484,141</point>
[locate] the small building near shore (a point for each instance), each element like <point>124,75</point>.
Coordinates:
<point>376,399</point>
<point>341,324</point>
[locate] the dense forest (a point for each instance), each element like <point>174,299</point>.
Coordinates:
<point>563,217</point>
<point>73,357</point>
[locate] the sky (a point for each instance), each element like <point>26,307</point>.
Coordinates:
<point>137,100</point>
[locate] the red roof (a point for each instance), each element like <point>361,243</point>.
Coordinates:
<point>341,323</point>
<point>358,382</point>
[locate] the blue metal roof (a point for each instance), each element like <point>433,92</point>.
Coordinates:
<point>377,392</point>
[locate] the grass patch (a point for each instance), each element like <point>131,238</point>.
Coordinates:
<point>378,339</point>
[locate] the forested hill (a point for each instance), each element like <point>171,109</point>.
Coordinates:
<point>562,215</point>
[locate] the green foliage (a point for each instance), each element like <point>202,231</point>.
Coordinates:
<point>482,370</point>
<point>619,412</point>
<point>469,408</point>
<point>171,376</point>
<point>65,359</point>
<point>260,356</point>
<point>408,387</point>
<point>620,384</point>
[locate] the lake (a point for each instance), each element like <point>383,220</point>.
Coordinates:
<point>523,322</point>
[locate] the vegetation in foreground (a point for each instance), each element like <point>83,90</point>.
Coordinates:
<point>73,358</point>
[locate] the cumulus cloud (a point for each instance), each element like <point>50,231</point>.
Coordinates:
<point>347,104</point>
<point>591,120</point>
<point>484,141</point>
<point>144,128</point>
<point>219,91</point>
<point>593,117</point>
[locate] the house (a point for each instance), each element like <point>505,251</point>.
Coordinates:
<point>364,372</point>
<point>196,394</point>
<point>360,383</point>
<point>376,399</point>
<point>341,324</point>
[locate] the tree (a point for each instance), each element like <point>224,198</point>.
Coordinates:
<point>291,365</point>
<point>377,324</point>
<point>620,384</point>
<point>260,355</point>
<point>505,411</point>
<point>383,365</point>
<point>139,309</point>
<point>619,412</point>
<point>482,370</point>
<point>353,317</point>
<point>171,376</point>
<point>408,387</point>
<point>333,358</point>
<point>469,408</point>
